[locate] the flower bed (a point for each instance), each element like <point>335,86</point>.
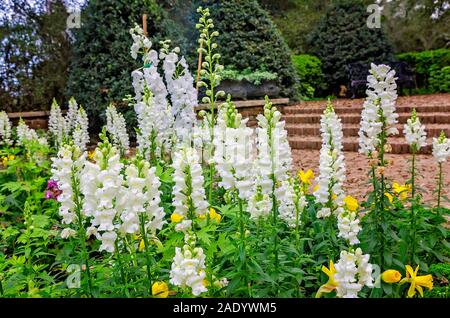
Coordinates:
<point>211,208</point>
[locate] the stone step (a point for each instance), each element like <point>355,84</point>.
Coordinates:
<point>399,145</point>
<point>299,109</point>
<point>427,118</point>
<point>433,130</point>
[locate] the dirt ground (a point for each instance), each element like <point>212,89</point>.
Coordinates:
<point>357,166</point>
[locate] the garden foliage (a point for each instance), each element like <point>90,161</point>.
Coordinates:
<point>309,70</point>
<point>99,68</point>
<point>342,37</point>
<point>212,208</point>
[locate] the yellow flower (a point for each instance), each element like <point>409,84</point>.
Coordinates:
<point>176,218</point>
<point>160,290</point>
<point>91,155</point>
<point>333,196</point>
<point>141,245</point>
<point>351,203</point>
<point>401,190</point>
<point>417,282</point>
<point>306,177</point>
<point>389,196</point>
<point>391,276</point>
<point>214,215</point>
<point>331,284</point>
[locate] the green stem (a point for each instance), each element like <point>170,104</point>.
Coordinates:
<point>1,288</point>
<point>413,213</point>
<point>147,253</point>
<point>242,244</point>
<point>122,272</point>
<point>439,186</point>
<point>81,231</point>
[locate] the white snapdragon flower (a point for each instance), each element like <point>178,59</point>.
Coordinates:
<point>71,116</point>
<point>5,129</point>
<point>189,198</point>
<point>233,145</point>
<point>183,94</point>
<point>66,171</point>
<point>415,134</point>
<point>152,108</point>
<point>260,203</point>
<point>292,204</point>
<point>331,165</point>
<point>101,186</point>
<point>116,127</point>
<point>26,134</point>
<point>57,123</point>
<point>188,268</point>
<point>273,163</point>
<point>140,195</point>
<point>379,108</point>
<point>348,226</point>
<point>68,232</point>
<point>353,272</point>
<point>441,148</point>
<point>81,133</point>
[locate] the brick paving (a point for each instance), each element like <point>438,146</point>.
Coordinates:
<point>302,120</point>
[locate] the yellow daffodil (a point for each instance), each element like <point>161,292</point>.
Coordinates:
<point>141,245</point>
<point>351,203</point>
<point>160,290</point>
<point>176,218</point>
<point>306,177</point>
<point>389,196</point>
<point>417,282</point>
<point>331,284</point>
<point>214,215</point>
<point>91,155</point>
<point>391,276</point>
<point>401,190</point>
<point>5,159</point>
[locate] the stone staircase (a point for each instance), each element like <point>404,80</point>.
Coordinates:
<point>303,121</point>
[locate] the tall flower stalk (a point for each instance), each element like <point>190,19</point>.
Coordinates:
<point>416,138</point>
<point>377,124</point>
<point>210,73</point>
<point>5,129</point>
<point>66,171</point>
<point>441,152</point>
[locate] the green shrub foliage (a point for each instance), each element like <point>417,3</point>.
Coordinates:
<point>309,69</point>
<point>100,71</point>
<point>249,39</point>
<point>342,37</point>
<point>429,68</point>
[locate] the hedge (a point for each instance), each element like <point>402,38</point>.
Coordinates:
<point>430,67</point>
<point>309,70</point>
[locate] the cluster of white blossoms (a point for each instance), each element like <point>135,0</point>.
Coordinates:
<point>201,139</point>
<point>233,142</point>
<point>26,134</point>
<point>80,133</point>
<point>183,94</point>
<point>353,272</point>
<point>116,127</point>
<point>5,129</point>
<point>415,134</point>
<point>101,186</point>
<point>378,109</point>
<point>74,126</point>
<point>332,166</point>
<point>189,198</point>
<point>292,205</point>
<point>66,171</point>
<point>140,195</point>
<point>153,111</point>
<point>348,226</point>
<point>188,267</point>
<point>273,163</point>
<point>441,148</point>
